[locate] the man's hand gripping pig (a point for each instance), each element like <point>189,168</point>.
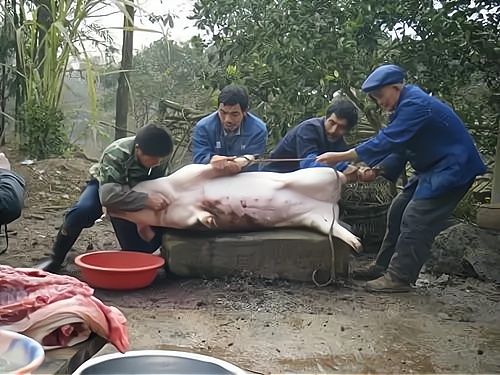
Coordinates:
<point>229,165</point>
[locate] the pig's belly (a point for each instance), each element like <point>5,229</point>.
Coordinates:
<point>248,202</point>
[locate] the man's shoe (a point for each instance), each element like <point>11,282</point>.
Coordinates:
<point>49,265</point>
<point>371,273</point>
<point>60,249</point>
<point>388,284</point>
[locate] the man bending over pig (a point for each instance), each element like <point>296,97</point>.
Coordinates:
<point>318,135</point>
<point>427,133</point>
<point>229,131</point>
<point>123,164</point>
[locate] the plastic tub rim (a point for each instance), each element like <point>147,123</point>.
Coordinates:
<point>79,261</point>
<point>159,353</point>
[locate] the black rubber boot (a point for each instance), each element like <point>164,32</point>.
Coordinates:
<point>61,248</point>
<point>371,273</point>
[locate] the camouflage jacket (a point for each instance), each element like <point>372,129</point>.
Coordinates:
<point>118,170</point>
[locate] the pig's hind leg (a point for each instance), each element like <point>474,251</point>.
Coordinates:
<point>322,184</point>
<point>325,220</point>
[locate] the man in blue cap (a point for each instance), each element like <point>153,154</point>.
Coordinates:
<point>427,133</point>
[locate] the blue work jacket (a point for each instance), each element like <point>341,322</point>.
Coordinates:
<point>427,133</point>
<point>209,139</point>
<point>307,140</point>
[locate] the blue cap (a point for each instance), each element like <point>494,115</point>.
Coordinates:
<point>382,76</point>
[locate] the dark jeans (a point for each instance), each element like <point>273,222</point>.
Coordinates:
<point>412,226</point>
<point>88,209</point>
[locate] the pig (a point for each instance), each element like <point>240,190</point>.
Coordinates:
<point>225,200</point>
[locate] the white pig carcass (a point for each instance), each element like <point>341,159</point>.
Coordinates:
<point>203,194</point>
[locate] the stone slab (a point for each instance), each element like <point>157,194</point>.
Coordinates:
<point>67,360</point>
<point>288,254</point>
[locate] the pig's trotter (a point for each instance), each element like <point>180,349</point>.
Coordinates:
<point>145,232</point>
<point>340,232</point>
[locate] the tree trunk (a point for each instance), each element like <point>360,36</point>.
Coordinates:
<point>4,80</point>
<point>18,20</point>
<point>495,192</point>
<point>44,21</point>
<point>3,104</point>
<point>122,94</point>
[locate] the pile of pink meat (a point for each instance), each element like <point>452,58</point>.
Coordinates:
<point>55,310</point>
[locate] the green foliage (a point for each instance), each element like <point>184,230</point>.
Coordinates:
<point>43,130</point>
<point>294,56</point>
<point>47,34</point>
<point>170,70</point>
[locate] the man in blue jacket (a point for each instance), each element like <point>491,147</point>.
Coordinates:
<point>318,135</point>
<point>315,136</point>
<point>229,131</point>
<point>429,134</point>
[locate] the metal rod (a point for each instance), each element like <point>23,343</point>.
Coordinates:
<point>279,160</point>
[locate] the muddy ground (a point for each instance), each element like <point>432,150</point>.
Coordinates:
<point>446,325</point>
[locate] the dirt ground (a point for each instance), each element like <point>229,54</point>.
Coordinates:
<point>446,325</point>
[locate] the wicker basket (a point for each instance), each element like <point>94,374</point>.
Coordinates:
<point>364,206</point>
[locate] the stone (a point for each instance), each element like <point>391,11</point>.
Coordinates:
<point>466,250</point>
<point>288,254</point>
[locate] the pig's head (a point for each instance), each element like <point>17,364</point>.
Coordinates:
<point>351,174</point>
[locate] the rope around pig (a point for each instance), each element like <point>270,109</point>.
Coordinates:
<point>330,240</point>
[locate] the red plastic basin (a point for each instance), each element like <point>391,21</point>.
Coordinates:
<point>119,270</point>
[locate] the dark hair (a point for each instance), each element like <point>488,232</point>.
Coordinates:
<point>344,109</point>
<point>154,140</point>
<point>234,94</point>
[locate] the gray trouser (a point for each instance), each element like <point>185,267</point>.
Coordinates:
<point>412,226</point>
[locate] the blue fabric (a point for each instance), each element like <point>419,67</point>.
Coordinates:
<point>307,140</point>
<point>129,239</point>
<point>382,76</point>
<point>12,191</point>
<point>434,140</point>
<point>393,165</point>
<point>209,139</point>
<point>88,209</point>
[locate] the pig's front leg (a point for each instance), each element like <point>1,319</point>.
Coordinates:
<point>340,232</point>
<point>185,216</point>
<point>207,219</point>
